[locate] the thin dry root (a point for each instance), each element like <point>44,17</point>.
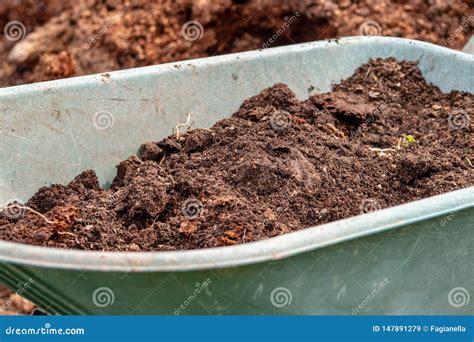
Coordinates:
<point>187,124</point>
<point>383,151</point>
<point>30,210</point>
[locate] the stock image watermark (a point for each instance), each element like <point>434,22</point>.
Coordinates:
<point>459,119</point>
<point>103,119</point>
<point>464,27</point>
<point>21,288</point>
<point>47,329</point>
<point>287,22</point>
<point>13,209</point>
<point>280,120</point>
<point>370,28</point>
<point>103,30</point>
<point>14,31</point>
<point>192,31</point>
<point>369,205</point>
<point>103,297</point>
<point>445,220</point>
<point>192,208</point>
<point>458,297</point>
<point>376,290</point>
<point>199,289</point>
<point>281,297</point>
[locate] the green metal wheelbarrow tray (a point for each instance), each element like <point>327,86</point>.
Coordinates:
<point>415,258</point>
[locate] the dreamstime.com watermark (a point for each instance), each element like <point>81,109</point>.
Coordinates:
<point>281,297</point>
<point>14,31</point>
<point>280,120</point>
<point>103,297</point>
<point>369,205</point>
<point>103,119</point>
<point>21,287</point>
<point>458,297</point>
<point>103,30</point>
<point>458,120</point>
<point>370,28</point>
<point>287,22</point>
<point>192,30</point>
<point>465,24</point>
<point>46,330</point>
<point>13,209</point>
<point>369,120</point>
<point>377,288</point>
<point>445,220</point>
<point>200,288</point>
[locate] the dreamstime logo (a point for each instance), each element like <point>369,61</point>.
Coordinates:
<point>287,22</point>
<point>102,297</point>
<point>14,209</point>
<point>103,30</point>
<point>280,120</point>
<point>14,31</point>
<point>466,23</point>
<point>445,220</point>
<point>376,289</point>
<point>103,119</point>
<point>192,30</point>
<point>280,297</point>
<point>369,205</point>
<point>458,296</point>
<point>370,28</point>
<point>458,119</point>
<point>192,208</point>
<point>199,288</point>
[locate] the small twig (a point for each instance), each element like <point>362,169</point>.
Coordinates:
<point>469,162</point>
<point>367,74</point>
<point>162,159</point>
<point>30,210</point>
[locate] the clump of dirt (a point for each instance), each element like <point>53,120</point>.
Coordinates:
<point>72,38</point>
<point>279,164</point>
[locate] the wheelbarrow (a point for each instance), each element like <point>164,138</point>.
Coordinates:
<point>415,258</point>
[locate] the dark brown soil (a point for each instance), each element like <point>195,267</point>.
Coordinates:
<point>276,166</point>
<point>69,38</point>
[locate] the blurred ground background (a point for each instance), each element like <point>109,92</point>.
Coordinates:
<point>63,38</point>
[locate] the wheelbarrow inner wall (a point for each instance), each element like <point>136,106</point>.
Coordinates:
<point>52,131</point>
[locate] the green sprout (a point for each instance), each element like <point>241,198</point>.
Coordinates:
<point>404,141</point>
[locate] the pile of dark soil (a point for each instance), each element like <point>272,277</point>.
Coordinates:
<point>71,38</point>
<point>381,138</point>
